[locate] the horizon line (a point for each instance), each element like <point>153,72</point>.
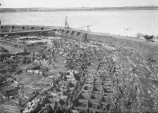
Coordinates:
<point>82,7</point>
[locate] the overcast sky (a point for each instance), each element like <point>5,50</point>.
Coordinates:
<point>74,3</point>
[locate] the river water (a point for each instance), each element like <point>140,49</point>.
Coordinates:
<point>127,23</point>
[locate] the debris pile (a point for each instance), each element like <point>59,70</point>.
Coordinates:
<point>65,75</point>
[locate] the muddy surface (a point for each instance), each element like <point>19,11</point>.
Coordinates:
<point>55,75</point>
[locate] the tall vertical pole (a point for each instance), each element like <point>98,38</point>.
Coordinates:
<point>66,23</point>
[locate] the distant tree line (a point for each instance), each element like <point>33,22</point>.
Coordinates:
<point>3,10</point>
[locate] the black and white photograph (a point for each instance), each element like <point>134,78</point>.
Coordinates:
<point>78,56</point>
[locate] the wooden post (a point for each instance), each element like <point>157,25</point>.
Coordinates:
<point>66,23</point>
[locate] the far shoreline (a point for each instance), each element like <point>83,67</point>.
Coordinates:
<point>9,10</point>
